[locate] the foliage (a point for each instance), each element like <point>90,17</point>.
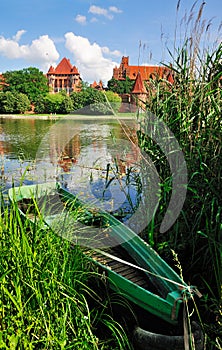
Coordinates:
<point>191,108</point>
<point>92,100</point>
<point>40,105</point>
<point>45,294</point>
<point>120,86</point>
<point>29,81</point>
<point>66,105</point>
<point>88,97</point>
<point>7,102</point>
<point>14,102</point>
<point>54,103</point>
<point>22,103</point>
<point>114,99</point>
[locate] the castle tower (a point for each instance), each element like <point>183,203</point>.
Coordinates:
<point>139,91</point>
<point>64,77</point>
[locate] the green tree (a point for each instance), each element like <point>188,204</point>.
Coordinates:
<point>66,105</point>
<point>77,100</point>
<point>88,96</point>
<point>13,102</point>
<point>114,99</point>
<point>53,103</point>
<point>29,81</point>
<point>40,105</point>
<point>22,103</point>
<point>7,102</point>
<point>120,86</point>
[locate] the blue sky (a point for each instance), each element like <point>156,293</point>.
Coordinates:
<point>94,34</point>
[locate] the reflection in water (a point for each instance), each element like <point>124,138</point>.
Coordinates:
<point>96,159</point>
<point>98,163</point>
<point>19,142</point>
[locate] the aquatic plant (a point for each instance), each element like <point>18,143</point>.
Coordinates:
<point>191,108</point>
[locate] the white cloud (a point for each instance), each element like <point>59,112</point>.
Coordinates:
<point>93,20</point>
<point>18,35</point>
<point>115,9</point>
<point>80,19</point>
<point>96,10</point>
<point>89,58</point>
<point>107,51</point>
<point>42,51</point>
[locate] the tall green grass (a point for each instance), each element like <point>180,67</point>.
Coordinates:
<point>192,108</point>
<point>46,301</point>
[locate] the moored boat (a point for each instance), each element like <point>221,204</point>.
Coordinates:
<point>133,268</point>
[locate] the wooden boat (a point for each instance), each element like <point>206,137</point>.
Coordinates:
<point>132,267</point>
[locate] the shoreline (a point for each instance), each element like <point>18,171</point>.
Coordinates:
<point>66,116</point>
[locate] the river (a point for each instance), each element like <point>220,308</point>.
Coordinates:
<point>96,158</point>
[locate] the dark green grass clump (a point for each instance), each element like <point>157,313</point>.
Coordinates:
<point>45,294</point>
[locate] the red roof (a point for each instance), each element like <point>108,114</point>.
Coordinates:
<point>146,72</point>
<point>2,82</point>
<point>74,70</point>
<point>139,87</point>
<point>51,69</point>
<point>94,84</point>
<point>64,67</point>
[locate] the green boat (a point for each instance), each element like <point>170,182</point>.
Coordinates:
<point>132,267</point>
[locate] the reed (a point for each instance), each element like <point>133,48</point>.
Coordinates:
<point>191,108</point>
<point>45,295</point>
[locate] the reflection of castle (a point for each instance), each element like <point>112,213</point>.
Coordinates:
<point>65,149</point>
<point>64,77</point>
<point>63,153</point>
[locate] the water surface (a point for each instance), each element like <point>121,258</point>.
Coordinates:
<point>95,158</point>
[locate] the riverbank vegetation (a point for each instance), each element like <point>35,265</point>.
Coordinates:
<point>191,107</point>
<point>60,103</point>
<point>27,91</point>
<point>46,301</point>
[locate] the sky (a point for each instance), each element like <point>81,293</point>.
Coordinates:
<point>95,34</point>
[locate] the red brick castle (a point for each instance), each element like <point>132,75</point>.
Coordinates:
<point>64,77</point>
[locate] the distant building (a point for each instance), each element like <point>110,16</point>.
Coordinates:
<point>97,86</point>
<point>139,91</point>
<point>146,72</point>
<point>64,77</point>
<point>142,77</point>
<point>137,97</point>
<point>2,82</point>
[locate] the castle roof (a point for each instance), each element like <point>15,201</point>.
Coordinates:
<point>74,70</point>
<point>146,72</point>
<point>98,86</point>
<point>139,87</point>
<point>64,67</point>
<point>51,70</point>
<point>2,81</point>
<point>94,84</point>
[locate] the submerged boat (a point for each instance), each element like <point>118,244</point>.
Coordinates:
<point>132,267</point>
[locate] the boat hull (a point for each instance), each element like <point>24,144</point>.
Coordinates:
<point>132,267</point>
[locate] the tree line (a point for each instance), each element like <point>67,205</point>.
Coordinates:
<point>27,89</point>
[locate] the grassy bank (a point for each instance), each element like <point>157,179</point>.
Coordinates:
<point>46,301</point>
<point>70,116</point>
